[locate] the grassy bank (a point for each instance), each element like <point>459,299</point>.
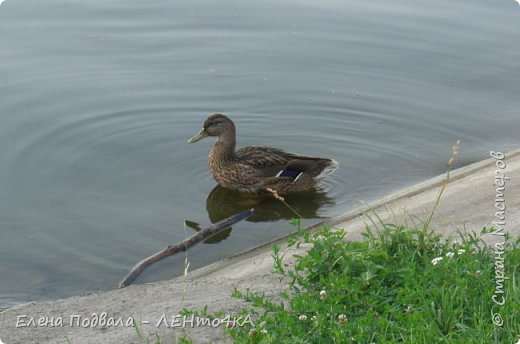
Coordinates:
<point>399,285</point>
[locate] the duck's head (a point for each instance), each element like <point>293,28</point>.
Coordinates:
<point>216,125</point>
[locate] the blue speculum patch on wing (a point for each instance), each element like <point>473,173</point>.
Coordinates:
<point>290,173</point>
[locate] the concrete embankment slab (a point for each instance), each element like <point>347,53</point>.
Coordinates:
<point>467,203</point>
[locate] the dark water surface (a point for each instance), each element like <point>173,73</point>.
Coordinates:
<point>98,98</point>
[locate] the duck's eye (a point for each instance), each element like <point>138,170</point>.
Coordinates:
<point>212,124</point>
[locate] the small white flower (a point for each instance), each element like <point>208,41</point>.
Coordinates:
<point>323,295</point>
<point>450,254</point>
<point>303,317</point>
<point>478,273</point>
<point>314,318</point>
<point>461,251</point>
<point>436,261</point>
<point>342,318</point>
<point>264,331</point>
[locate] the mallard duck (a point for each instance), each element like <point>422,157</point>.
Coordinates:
<point>257,169</point>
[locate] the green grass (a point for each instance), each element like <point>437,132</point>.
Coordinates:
<point>385,289</point>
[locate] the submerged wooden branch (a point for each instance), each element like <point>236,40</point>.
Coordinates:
<point>184,245</point>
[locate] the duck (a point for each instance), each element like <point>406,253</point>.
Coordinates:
<point>258,170</point>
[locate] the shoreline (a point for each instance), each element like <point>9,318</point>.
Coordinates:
<point>467,204</point>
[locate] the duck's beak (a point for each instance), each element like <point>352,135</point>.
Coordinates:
<point>199,136</point>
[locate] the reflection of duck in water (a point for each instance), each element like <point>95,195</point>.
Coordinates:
<point>256,169</point>
<point>222,203</point>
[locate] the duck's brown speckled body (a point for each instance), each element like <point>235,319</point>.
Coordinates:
<point>255,169</point>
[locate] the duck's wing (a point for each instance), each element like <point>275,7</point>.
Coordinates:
<point>268,160</point>
<point>274,162</point>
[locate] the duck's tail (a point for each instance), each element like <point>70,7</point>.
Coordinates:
<point>329,166</point>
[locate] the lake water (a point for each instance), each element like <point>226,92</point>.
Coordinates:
<point>98,98</point>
